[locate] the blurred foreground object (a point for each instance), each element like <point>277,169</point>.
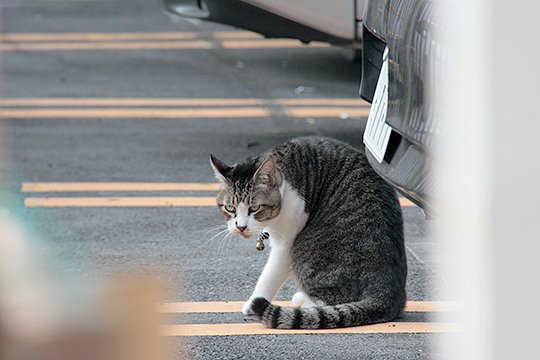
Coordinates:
<point>44,316</point>
<point>489,194</point>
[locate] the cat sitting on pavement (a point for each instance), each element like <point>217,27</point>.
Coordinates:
<point>333,224</point>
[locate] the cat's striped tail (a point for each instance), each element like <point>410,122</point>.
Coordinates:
<point>363,312</point>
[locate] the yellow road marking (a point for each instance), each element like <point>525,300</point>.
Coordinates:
<point>236,306</point>
<point>156,45</point>
<point>183,113</point>
<point>128,102</point>
<point>273,43</point>
<point>319,102</point>
<point>136,45</point>
<point>246,112</point>
<point>147,201</point>
<point>326,112</point>
<point>220,107</point>
<point>133,201</point>
<point>34,37</point>
<point>179,102</point>
<point>144,41</point>
<point>258,329</point>
<point>236,35</point>
<point>115,186</point>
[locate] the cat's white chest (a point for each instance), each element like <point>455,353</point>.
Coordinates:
<point>283,231</point>
<point>291,219</point>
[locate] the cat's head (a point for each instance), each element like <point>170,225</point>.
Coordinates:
<point>249,197</point>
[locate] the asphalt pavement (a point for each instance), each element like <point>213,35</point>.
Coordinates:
<point>111,110</point>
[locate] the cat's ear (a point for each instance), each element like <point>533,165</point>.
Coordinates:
<point>267,173</point>
<point>220,168</point>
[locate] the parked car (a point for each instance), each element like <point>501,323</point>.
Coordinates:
<point>404,64</point>
<point>337,22</point>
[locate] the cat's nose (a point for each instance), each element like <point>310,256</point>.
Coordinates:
<point>241,228</point>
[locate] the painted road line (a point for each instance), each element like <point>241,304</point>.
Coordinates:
<point>159,45</point>
<point>129,102</point>
<point>79,46</point>
<point>152,113</point>
<point>6,102</point>
<point>121,36</point>
<point>326,112</point>
<point>234,35</point>
<point>125,36</point>
<point>115,186</point>
<point>321,102</point>
<point>52,187</point>
<point>182,113</point>
<point>133,201</point>
<point>269,44</point>
<point>236,306</point>
<point>147,201</point>
<point>258,329</point>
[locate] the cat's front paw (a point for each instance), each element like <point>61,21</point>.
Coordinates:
<point>246,308</point>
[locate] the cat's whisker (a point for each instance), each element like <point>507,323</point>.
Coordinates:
<point>223,243</point>
<point>219,229</point>
<point>220,244</point>
<point>206,232</point>
<point>216,236</point>
<point>213,232</point>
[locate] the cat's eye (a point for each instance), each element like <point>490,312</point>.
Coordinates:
<point>230,208</point>
<point>254,208</point>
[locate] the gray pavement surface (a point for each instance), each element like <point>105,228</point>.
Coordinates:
<point>175,241</point>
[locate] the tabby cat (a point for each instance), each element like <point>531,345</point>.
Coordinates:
<point>333,224</point>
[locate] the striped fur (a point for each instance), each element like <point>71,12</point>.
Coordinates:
<point>363,312</point>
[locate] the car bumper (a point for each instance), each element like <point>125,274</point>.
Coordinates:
<point>417,62</point>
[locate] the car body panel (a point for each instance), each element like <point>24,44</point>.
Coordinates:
<point>334,22</point>
<point>418,64</point>
<point>336,18</point>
